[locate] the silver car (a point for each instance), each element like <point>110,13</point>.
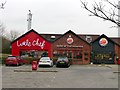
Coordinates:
<point>45,61</point>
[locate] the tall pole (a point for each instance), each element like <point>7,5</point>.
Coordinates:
<point>29,19</point>
<point>119,18</point>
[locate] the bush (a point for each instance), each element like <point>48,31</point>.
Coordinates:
<point>54,60</point>
<point>29,60</point>
<point>2,58</point>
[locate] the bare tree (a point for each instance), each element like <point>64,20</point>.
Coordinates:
<point>13,34</point>
<point>100,9</point>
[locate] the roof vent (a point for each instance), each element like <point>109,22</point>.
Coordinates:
<point>88,39</point>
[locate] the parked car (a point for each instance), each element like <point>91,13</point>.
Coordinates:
<point>62,62</point>
<point>14,60</point>
<point>45,61</point>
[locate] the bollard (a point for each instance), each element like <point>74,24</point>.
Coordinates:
<point>119,62</point>
<point>34,65</point>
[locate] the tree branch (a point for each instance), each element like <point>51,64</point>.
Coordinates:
<point>114,5</point>
<point>99,11</point>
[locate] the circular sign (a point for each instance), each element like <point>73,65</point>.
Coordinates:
<point>103,42</point>
<point>70,40</point>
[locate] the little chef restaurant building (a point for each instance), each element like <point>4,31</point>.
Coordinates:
<point>69,44</point>
<point>32,44</point>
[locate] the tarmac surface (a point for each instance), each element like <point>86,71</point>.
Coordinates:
<point>76,76</point>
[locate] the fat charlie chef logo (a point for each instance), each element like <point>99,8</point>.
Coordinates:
<point>69,40</point>
<point>103,42</point>
<point>29,43</point>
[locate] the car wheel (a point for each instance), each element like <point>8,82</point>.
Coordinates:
<point>17,64</point>
<point>67,66</point>
<point>21,64</point>
<point>51,65</point>
<point>6,64</point>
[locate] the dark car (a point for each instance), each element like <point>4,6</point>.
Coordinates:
<point>13,60</point>
<point>62,62</point>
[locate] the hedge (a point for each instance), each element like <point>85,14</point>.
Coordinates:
<point>29,60</point>
<point>2,58</point>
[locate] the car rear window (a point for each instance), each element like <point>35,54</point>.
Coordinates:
<point>62,58</point>
<point>45,58</point>
<point>11,57</point>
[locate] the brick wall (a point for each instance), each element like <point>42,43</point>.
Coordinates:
<point>83,45</point>
<point>117,52</point>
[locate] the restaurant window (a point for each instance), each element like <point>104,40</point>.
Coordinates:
<point>70,54</point>
<point>44,54</point>
<point>58,53</point>
<point>103,56</point>
<point>55,54</point>
<point>86,55</point>
<point>62,53</point>
<point>65,53</point>
<point>77,55</point>
<point>33,53</point>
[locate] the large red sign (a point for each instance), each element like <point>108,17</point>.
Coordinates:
<point>36,42</point>
<point>30,41</point>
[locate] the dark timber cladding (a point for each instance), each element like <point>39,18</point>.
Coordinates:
<point>72,46</point>
<point>104,50</point>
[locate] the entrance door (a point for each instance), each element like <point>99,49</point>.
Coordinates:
<point>77,57</point>
<point>70,56</point>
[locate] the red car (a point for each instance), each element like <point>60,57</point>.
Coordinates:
<point>13,60</point>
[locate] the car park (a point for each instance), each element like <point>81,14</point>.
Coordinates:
<point>62,62</point>
<point>13,60</point>
<point>45,61</point>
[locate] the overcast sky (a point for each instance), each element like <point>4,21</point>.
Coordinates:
<point>54,16</point>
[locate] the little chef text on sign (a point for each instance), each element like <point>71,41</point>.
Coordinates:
<point>29,43</point>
